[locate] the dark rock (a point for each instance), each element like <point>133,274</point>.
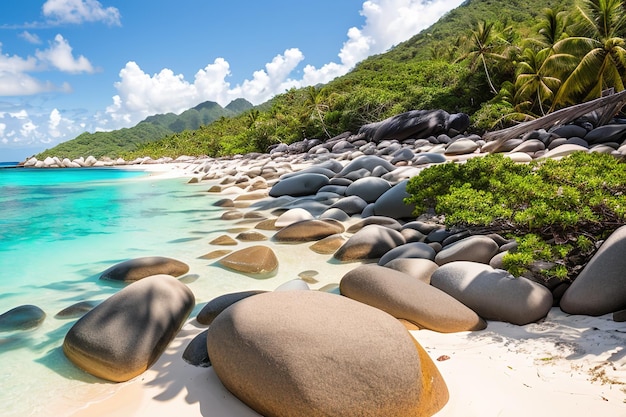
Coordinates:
<point>391,203</point>
<point>221,303</point>
<point>351,205</point>
<point>606,133</point>
<point>196,353</point>
<point>23,317</point>
<point>299,185</point>
<point>76,310</point>
<point>369,189</point>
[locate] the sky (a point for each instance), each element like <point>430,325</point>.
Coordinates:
<point>74,66</point>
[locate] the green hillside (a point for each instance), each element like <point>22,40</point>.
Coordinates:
<point>117,142</point>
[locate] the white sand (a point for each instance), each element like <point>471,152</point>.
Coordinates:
<point>562,366</point>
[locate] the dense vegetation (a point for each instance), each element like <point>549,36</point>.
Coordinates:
<point>557,210</point>
<point>117,142</point>
<point>499,61</point>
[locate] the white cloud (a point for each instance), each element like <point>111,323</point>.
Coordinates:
<point>387,23</point>
<point>59,55</point>
<point>79,11</point>
<point>30,37</point>
<point>141,95</point>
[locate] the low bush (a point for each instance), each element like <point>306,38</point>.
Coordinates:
<point>558,210</point>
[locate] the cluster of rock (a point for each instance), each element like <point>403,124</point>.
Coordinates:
<point>294,351</point>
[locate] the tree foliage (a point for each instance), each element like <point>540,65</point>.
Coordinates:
<point>547,204</point>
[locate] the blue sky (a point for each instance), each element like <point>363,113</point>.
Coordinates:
<point>70,66</point>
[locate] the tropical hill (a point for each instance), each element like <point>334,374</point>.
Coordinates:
<point>117,142</point>
<point>500,61</point>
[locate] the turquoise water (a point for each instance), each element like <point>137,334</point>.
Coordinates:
<point>58,230</point>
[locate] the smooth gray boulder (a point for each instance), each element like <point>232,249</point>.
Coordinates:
<point>493,293</point>
<point>410,299</point>
<point>476,248</point>
<point>600,288</point>
<point>409,250</point>
<point>196,353</point>
<point>311,353</point>
<point>140,268</point>
<point>220,303</point>
<point>369,188</point>
<point>368,162</point>
<point>351,205</point>
<point>22,317</point>
<point>125,334</point>
<point>371,242</point>
<point>299,185</point>
<point>391,203</point>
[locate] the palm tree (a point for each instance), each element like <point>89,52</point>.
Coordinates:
<point>482,48</point>
<point>551,28</point>
<point>537,76</point>
<point>603,61</point>
<point>315,102</point>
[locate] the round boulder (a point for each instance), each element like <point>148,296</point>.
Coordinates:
<point>493,293</point>
<point>139,268</point>
<point>369,188</point>
<point>476,248</point>
<point>308,230</point>
<point>600,288</point>
<point>125,334</point>
<point>409,250</point>
<point>410,299</point>
<point>310,353</point>
<point>221,303</point>
<point>391,203</point>
<point>23,317</point>
<point>371,242</point>
<point>299,185</point>
<point>251,260</point>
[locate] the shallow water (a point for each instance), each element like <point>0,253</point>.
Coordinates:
<point>59,229</point>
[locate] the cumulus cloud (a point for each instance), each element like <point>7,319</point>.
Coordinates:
<point>59,55</point>
<point>79,11</point>
<point>387,23</point>
<point>141,95</point>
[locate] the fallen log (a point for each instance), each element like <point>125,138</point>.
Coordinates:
<point>606,106</point>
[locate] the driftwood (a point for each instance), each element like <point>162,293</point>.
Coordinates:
<point>607,107</point>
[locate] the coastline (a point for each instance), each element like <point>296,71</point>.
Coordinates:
<point>558,366</point>
<point>563,365</point>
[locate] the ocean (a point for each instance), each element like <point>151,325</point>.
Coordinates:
<point>59,229</point>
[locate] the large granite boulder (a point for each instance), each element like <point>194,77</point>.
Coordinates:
<point>411,124</point>
<point>410,299</point>
<point>125,334</point>
<point>493,293</point>
<point>139,268</point>
<point>474,248</point>
<point>299,185</point>
<point>251,260</point>
<point>22,317</point>
<point>409,250</point>
<point>371,242</point>
<point>391,203</point>
<point>308,230</point>
<point>369,188</point>
<point>600,288</point>
<point>310,353</point>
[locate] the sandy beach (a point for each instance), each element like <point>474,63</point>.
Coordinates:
<point>563,365</point>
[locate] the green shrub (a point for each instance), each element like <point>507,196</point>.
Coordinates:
<point>557,210</point>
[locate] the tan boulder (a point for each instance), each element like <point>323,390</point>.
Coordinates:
<point>251,260</point>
